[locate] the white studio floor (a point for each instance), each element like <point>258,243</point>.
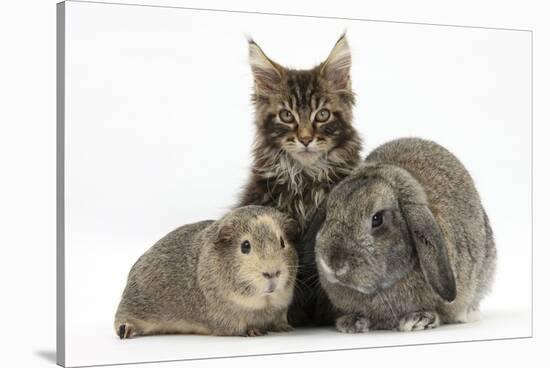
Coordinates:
<point>99,345</point>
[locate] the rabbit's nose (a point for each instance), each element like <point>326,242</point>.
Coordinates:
<point>339,263</point>
<point>326,271</point>
<point>342,270</point>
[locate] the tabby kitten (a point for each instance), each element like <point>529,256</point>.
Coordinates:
<point>305,142</point>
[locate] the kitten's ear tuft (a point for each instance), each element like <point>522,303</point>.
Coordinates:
<point>267,74</point>
<point>336,68</point>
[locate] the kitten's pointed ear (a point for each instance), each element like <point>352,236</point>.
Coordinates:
<point>267,74</point>
<point>336,69</point>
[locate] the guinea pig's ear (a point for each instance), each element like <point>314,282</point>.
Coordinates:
<point>431,249</point>
<point>225,234</point>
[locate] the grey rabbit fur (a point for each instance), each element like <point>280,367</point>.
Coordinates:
<point>405,243</point>
<point>234,276</point>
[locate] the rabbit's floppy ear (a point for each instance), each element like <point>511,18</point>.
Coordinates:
<point>431,249</point>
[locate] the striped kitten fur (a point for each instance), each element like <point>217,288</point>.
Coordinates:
<point>305,142</point>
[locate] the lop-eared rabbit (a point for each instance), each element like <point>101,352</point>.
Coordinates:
<point>405,243</point>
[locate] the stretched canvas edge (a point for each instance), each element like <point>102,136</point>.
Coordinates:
<point>60,183</point>
<point>60,178</point>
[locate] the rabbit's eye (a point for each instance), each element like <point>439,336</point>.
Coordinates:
<point>245,247</point>
<point>377,219</point>
<point>282,242</point>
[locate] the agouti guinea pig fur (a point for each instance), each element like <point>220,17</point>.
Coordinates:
<point>234,276</point>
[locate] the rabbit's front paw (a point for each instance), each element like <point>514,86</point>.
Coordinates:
<point>419,321</point>
<point>352,323</point>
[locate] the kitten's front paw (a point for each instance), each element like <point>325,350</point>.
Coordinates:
<point>419,321</point>
<point>281,327</point>
<point>352,323</point>
<point>254,332</point>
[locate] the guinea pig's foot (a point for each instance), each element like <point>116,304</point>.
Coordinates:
<point>255,332</point>
<point>281,327</point>
<point>419,321</point>
<point>126,331</point>
<point>352,323</point>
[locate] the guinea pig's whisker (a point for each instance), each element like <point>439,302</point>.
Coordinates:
<point>302,283</point>
<point>312,277</point>
<point>299,289</point>
<point>303,291</point>
<point>298,266</point>
<point>317,285</point>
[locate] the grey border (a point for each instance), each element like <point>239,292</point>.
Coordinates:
<point>60,157</point>
<point>532,197</point>
<point>60,185</point>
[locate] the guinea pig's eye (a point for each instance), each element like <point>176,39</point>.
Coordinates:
<point>322,115</point>
<point>377,219</point>
<point>282,242</point>
<point>245,247</point>
<point>286,116</point>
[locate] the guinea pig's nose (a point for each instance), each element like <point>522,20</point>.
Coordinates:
<point>271,275</point>
<point>272,280</point>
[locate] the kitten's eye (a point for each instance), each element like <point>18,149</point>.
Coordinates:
<point>245,247</point>
<point>286,116</point>
<point>377,219</point>
<point>282,242</point>
<point>322,115</point>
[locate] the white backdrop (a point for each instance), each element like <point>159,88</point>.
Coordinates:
<point>27,188</point>
<point>159,127</point>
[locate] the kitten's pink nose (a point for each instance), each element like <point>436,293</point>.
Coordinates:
<point>305,140</point>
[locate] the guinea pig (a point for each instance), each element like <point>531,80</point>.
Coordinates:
<point>234,276</point>
<point>405,243</point>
